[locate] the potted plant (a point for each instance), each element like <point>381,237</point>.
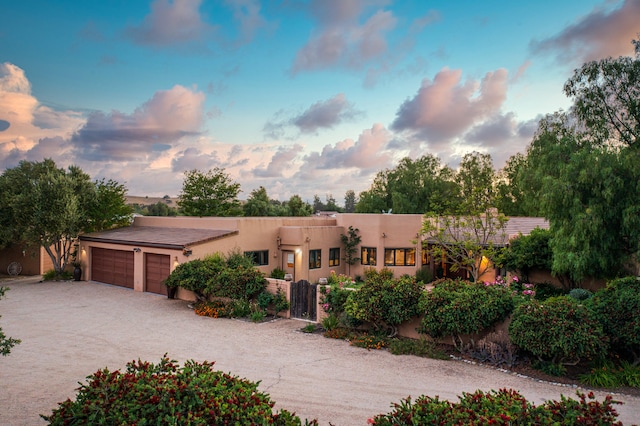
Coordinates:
<point>77,270</point>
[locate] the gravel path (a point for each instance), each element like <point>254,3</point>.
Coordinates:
<point>71,329</point>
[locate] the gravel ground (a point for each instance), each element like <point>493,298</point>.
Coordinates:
<point>71,329</point>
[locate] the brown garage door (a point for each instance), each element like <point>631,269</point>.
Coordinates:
<point>156,268</point>
<point>112,266</point>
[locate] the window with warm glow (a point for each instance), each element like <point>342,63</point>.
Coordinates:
<point>368,256</point>
<point>314,259</point>
<point>400,257</point>
<point>334,257</point>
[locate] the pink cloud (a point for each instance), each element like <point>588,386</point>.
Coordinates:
<point>368,152</point>
<point>341,39</point>
<point>446,107</point>
<point>281,162</point>
<point>170,23</point>
<point>599,34</point>
<point>155,126</point>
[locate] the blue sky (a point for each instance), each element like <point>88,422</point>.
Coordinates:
<point>301,97</point>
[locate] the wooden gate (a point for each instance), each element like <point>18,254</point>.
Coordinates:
<point>303,300</point>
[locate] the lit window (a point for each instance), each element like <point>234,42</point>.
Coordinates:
<point>259,258</point>
<point>400,257</point>
<point>368,256</point>
<point>334,257</point>
<point>314,259</point>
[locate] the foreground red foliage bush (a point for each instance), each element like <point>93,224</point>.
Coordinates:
<point>503,407</point>
<point>167,394</point>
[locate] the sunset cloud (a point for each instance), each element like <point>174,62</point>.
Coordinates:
<point>599,34</point>
<point>155,126</point>
<point>321,115</point>
<point>170,23</point>
<point>446,107</point>
<point>340,39</point>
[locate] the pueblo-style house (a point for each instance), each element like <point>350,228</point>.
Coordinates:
<point>142,255</point>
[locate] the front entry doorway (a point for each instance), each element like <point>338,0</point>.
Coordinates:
<point>289,263</point>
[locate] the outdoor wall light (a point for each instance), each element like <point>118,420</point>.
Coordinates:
<point>384,235</point>
<point>84,251</point>
<point>176,262</point>
<point>187,251</point>
<point>298,251</point>
<point>137,250</point>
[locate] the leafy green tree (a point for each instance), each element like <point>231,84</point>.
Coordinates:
<point>350,241</point>
<point>584,166</point>
<point>258,203</point>
<point>209,194</point>
<point>528,252</point>
<point>297,207</point>
<point>513,196</point>
<point>350,201</point>
<point>45,205</point>
<point>475,178</point>
<point>6,343</point>
<point>471,243</point>
<point>606,96</point>
<point>413,186</point>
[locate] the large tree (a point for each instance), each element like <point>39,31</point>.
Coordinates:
<point>46,205</point>
<point>350,201</point>
<point>584,165</point>
<point>297,207</point>
<point>211,193</point>
<point>258,204</point>
<point>413,186</point>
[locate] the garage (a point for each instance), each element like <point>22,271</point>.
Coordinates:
<point>112,266</point>
<point>157,267</point>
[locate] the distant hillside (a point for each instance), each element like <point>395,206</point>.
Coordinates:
<point>148,201</point>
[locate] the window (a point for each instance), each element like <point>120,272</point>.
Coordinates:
<point>314,259</point>
<point>259,258</point>
<point>400,257</point>
<point>426,258</point>
<point>334,257</point>
<point>368,256</point>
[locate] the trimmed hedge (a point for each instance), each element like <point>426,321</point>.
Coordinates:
<point>503,407</point>
<point>455,308</point>
<point>166,394</point>
<point>559,330</point>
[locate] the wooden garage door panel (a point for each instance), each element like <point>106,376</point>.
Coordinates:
<point>157,268</point>
<point>112,266</point>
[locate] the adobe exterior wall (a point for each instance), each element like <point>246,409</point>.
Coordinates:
<point>385,231</point>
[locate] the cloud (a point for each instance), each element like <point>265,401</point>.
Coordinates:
<point>368,153</point>
<point>321,115</point>
<point>341,39</point>
<point>157,124</point>
<point>170,23</point>
<point>280,163</point>
<point>445,107</point>
<point>27,128</point>
<point>247,14</point>
<point>599,34</point>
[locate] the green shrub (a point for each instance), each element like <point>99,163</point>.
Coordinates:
<point>216,276</point>
<point>424,275</point>
<point>617,307</point>
<point>419,347</point>
<point>580,294</point>
<point>559,330</point>
<point>52,275</point>
<point>455,308</point>
<point>330,322</point>
<point>240,308</point>
<point>384,301</point>
<point>164,393</point>
<point>258,315</point>
<point>504,407</point>
<point>547,290</point>
<point>265,299</point>
<point>277,273</point>
<point>608,375</point>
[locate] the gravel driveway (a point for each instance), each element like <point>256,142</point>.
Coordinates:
<point>71,329</point>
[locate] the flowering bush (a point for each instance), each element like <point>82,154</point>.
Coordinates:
<point>164,393</point>
<point>559,330</point>
<point>214,309</point>
<point>383,301</point>
<point>454,308</point>
<point>368,341</point>
<point>504,407</point>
